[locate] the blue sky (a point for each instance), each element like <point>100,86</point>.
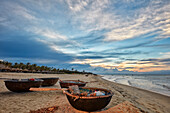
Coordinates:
<point>109,36</point>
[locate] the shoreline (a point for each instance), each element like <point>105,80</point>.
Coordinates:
<point>144,100</point>
<point>137,88</point>
<point>159,90</point>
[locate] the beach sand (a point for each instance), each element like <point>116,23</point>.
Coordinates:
<point>55,101</point>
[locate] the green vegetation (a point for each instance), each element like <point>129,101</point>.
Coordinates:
<point>6,66</point>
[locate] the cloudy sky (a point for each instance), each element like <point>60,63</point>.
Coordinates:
<point>93,35</point>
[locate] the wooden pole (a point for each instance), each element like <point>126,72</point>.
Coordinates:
<point>44,89</point>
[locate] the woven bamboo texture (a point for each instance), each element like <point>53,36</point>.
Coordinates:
<point>89,104</point>
<point>49,81</point>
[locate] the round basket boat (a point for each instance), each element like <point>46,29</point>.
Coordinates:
<point>49,81</point>
<point>67,83</point>
<point>22,85</point>
<point>89,103</point>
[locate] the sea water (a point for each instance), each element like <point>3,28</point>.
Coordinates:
<point>155,83</point>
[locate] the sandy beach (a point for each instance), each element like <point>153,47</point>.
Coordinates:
<point>26,102</point>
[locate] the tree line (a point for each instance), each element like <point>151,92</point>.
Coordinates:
<point>34,68</point>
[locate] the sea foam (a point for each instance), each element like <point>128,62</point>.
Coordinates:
<point>155,83</point>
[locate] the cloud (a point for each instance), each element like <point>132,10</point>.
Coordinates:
<point>100,33</point>
<point>100,70</point>
<point>165,54</point>
<point>143,44</point>
<point>23,46</point>
<point>104,63</point>
<point>55,40</point>
<point>148,17</point>
<point>164,46</point>
<point>92,17</point>
<point>142,24</point>
<point>158,60</point>
<point>106,59</point>
<point>13,13</point>
<point>146,65</point>
<point>20,11</point>
<point>95,69</point>
<point>78,5</point>
<point>48,34</point>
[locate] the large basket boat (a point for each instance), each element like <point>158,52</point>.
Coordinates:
<point>89,103</point>
<point>22,85</point>
<point>67,83</point>
<point>49,81</point>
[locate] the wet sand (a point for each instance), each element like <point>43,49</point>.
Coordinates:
<point>145,101</point>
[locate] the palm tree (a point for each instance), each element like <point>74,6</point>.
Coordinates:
<point>15,65</point>
<point>38,68</point>
<point>31,68</point>
<point>28,64</point>
<point>9,64</point>
<point>42,68</point>
<point>21,65</point>
<point>54,70</point>
<point>24,67</point>
<point>34,66</point>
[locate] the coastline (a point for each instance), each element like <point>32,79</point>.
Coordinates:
<point>144,100</point>
<point>152,82</point>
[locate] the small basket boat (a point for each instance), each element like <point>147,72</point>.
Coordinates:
<point>49,81</point>
<point>89,103</point>
<point>22,85</point>
<point>67,83</point>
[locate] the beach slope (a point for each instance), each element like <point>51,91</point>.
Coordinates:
<point>142,100</point>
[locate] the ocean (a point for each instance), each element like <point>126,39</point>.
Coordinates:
<point>155,83</point>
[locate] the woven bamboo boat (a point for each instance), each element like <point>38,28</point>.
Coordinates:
<point>49,81</point>
<point>85,103</point>
<point>22,85</point>
<point>67,83</point>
